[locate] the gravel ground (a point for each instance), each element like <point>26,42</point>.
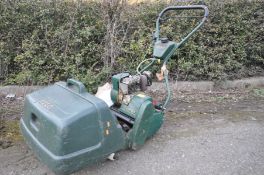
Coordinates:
<point>223,136</point>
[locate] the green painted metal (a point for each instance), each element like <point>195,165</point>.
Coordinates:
<point>191,7</point>
<point>164,52</point>
<point>147,119</point>
<point>115,82</point>
<point>133,107</point>
<point>147,123</point>
<point>167,86</point>
<point>68,128</point>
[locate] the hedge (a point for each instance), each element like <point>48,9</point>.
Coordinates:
<point>46,41</point>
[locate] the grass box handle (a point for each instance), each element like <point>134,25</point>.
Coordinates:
<point>78,84</point>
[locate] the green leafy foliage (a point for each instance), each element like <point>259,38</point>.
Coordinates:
<point>46,41</point>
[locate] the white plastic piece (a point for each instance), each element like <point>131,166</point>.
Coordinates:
<point>11,96</point>
<point>104,93</point>
<point>111,157</point>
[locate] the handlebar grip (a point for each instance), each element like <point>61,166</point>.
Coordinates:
<point>190,7</point>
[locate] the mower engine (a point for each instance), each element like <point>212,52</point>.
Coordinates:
<point>127,85</point>
<point>134,110</point>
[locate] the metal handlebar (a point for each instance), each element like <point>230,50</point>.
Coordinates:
<point>157,32</point>
<point>191,7</point>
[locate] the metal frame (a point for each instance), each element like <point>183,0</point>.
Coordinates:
<point>171,8</point>
<point>157,37</point>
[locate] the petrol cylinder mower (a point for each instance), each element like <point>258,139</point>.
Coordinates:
<point>69,128</point>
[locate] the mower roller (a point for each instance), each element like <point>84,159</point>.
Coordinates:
<point>69,128</point>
